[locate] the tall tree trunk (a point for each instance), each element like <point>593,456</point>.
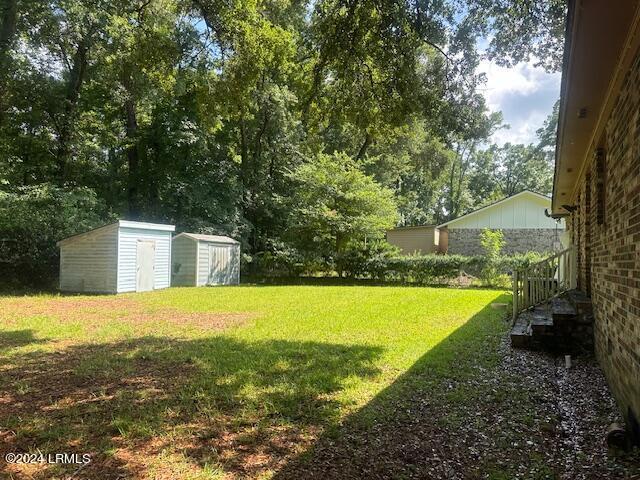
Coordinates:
<point>363,148</point>
<point>133,157</point>
<point>76,79</point>
<point>8,17</point>
<point>247,184</point>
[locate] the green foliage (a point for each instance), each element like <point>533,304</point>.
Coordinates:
<point>525,31</point>
<point>198,112</point>
<point>33,219</point>
<point>337,207</point>
<point>381,262</point>
<point>492,242</point>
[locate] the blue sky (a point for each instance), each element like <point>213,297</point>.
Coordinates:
<point>525,95</point>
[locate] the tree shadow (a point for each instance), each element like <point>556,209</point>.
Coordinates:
<point>219,401</point>
<point>427,424</point>
<point>17,338</point>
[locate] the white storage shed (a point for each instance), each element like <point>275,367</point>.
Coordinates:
<point>121,257</point>
<point>205,260</point>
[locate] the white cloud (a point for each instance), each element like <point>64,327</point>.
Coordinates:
<point>525,95</point>
<point>522,131</point>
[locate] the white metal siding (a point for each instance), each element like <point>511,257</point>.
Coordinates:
<point>127,247</point>
<point>183,257</point>
<point>525,211</point>
<point>203,263</point>
<point>235,259</point>
<point>88,263</point>
<point>227,258</point>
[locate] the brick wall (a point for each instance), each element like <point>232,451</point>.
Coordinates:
<point>606,228</point>
<point>466,241</point>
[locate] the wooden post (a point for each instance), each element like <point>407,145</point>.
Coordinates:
<point>526,285</point>
<point>515,294</point>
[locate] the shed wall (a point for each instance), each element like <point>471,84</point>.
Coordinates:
<point>203,263</point>
<point>418,240</point>
<point>88,263</point>
<point>127,252</point>
<point>206,276</point>
<point>183,257</point>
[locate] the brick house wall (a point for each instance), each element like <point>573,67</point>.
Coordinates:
<point>466,241</point>
<point>606,230</point>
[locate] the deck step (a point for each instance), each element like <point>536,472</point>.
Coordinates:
<point>580,301</point>
<point>561,309</point>
<point>521,333</point>
<point>541,322</point>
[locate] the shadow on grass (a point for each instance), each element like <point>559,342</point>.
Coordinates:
<point>17,338</point>
<point>409,430</point>
<point>240,405</point>
<point>243,408</point>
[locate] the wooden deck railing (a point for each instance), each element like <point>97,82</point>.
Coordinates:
<point>544,280</point>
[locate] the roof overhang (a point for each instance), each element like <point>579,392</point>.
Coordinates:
<point>601,41</point>
<point>200,237</point>
<point>412,227</point>
<point>147,226</point>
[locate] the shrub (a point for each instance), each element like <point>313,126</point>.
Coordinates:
<point>380,261</point>
<point>32,220</point>
<point>364,260</point>
<point>492,242</point>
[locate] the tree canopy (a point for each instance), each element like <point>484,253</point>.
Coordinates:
<point>197,112</point>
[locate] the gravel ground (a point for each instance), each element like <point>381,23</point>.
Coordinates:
<point>526,418</point>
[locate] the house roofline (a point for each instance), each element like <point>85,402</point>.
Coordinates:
<point>601,41</point>
<point>473,212</point>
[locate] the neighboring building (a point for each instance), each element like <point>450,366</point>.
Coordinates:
<point>597,181</point>
<point>420,240</point>
<point>205,260</point>
<point>121,257</point>
<point>522,219</point>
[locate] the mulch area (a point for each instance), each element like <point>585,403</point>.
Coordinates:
<point>528,418</point>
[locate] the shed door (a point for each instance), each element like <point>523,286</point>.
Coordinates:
<point>221,267</point>
<point>145,261</point>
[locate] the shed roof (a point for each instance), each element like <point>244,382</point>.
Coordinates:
<point>491,205</point>
<point>122,223</point>
<point>208,238</point>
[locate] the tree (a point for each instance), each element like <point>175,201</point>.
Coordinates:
<point>336,205</point>
<point>492,242</point>
<point>196,111</point>
<point>523,31</point>
<point>521,167</point>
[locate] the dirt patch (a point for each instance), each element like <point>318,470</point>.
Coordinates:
<point>93,312</point>
<point>56,409</point>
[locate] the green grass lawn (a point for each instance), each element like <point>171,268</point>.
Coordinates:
<point>227,381</point>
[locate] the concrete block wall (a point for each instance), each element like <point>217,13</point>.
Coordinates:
<point>466,241</point>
